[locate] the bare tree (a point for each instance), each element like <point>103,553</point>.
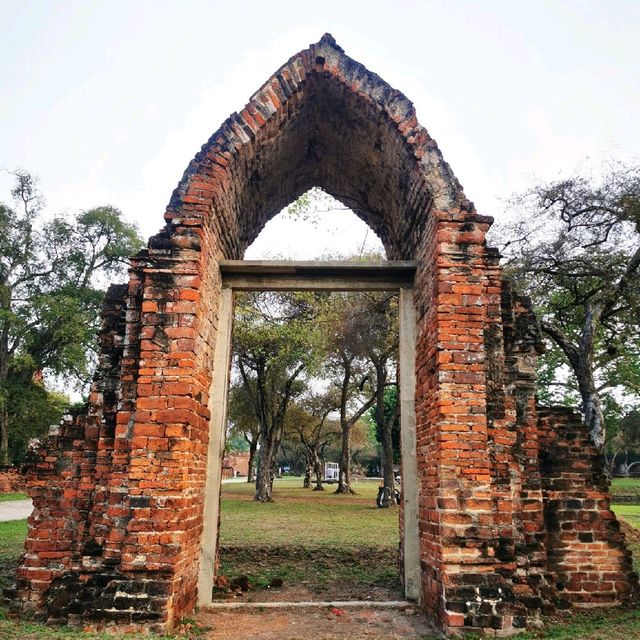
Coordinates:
<point>575,249</point>
<point>309,423</point>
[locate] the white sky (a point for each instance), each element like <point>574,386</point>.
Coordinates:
<point>108,100</point>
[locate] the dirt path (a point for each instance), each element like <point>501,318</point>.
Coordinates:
<point>314,624</point>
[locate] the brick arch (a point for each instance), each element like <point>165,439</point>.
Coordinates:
<point>321,120</point>
<point>119,488</point>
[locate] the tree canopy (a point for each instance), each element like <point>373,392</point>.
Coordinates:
<point>575,250</point>
<point>275,342</point>
<point>52,271</point>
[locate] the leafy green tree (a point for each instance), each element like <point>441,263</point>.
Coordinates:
<point>51,272</point>
<point>350,323</point>
<point>386,426</point>
<point>276,341</point>
<point>243,424</point>
<point>381,332</point>
<point>623,440</point>
<point>575,250</point>
<point>31,408</point>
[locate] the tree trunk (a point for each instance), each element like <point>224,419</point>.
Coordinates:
<point>317,468</point>
<point>611,464</point>
<point>270,439</point>
<point>580,358</point>
<point>253,445</point>
<point>386,459</point>
<point>344,479</point>
<point>591,405</point>
<point>4,437</point>
<point>307,474</point>
<point>264,476</point>
<point>633,464</point>
<point>385,426</point>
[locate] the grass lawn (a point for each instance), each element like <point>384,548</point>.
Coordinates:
<point>596,624</point>
<point>625,486</point>
<point>628,512</point>
<point>12,535</point>
<point>316,542</point>
<point>310,518</point>
<point>629,517</point>
<point>8,497</point>
<point>13,630</point>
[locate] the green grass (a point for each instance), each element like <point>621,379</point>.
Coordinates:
<point>313,540</point>
<point>596,624</point>
<point>309,518</point>
<point>13,629</point>
<point>340,573</point>
<point>12,535</point>
<point>630,512</point>
<point>8,497</point>
<point>625,486</point>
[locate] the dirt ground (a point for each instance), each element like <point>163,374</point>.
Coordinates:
<point>316,624</point>
<point>632,535</point>
<point>302,594</point>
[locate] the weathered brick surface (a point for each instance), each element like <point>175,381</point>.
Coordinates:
<point>119,489</point>
<point>11,481</point>
<point>587,556</point>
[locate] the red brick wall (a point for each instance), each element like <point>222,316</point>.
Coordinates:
<point>11,481</point>
<point>586,549</point>
<point>236,464</point>
<point>119,489</point>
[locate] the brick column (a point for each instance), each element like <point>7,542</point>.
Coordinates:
<point>167,433</point>
<point>458,542</point>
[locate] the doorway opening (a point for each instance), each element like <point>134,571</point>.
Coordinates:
<point>390,282</point>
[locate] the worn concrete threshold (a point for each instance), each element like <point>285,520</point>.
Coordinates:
<point>338,604</point>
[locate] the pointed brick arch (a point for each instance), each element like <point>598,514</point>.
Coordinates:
<point>322,119</point>
<point>119,488</point>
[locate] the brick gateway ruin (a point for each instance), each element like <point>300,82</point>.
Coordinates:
<point>512,506</point>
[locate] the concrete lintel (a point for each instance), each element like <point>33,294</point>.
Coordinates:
<point>257,275</point>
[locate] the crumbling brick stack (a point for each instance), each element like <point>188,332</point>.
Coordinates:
<point>116,535</point>
<point>586,553</point>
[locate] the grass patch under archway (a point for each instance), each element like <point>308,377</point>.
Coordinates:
<point>319,545</point>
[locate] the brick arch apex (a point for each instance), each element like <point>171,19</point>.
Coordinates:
<point>324,60</point>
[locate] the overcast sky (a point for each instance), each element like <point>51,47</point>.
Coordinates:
<point>108,100</point>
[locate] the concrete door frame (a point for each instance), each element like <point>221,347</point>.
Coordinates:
<point>240,275</point>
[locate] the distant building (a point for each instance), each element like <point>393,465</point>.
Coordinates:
<point>235,464</point>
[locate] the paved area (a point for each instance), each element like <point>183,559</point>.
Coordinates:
<point>15,510</point>
<point>331,623</point>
